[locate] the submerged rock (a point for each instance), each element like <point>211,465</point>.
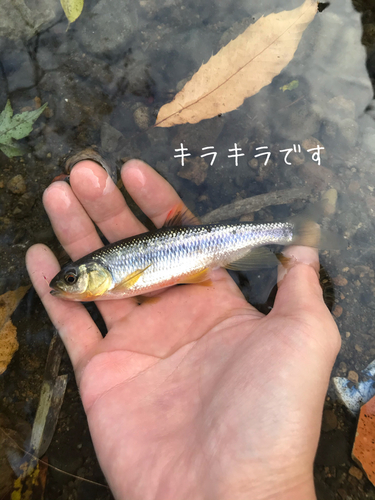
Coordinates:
<point>17,185</point>
<point>194,170</point>
<point>18,21</point>
<point>109,26</point>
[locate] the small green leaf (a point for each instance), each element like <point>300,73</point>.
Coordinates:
<point>16,127</point>
<point>72,9</point>
<point>290,86</point>
<point>11,151</point>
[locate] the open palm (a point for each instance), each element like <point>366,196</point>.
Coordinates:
<point>196,396</point>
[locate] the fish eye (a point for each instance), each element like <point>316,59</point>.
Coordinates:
<point>70,278</point>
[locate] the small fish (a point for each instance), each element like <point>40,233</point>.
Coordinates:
<point>182,251</point>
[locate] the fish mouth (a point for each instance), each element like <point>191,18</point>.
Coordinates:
<point>61,294</point>
<point>57,289</point>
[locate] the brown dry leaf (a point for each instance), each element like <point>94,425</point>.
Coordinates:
<point>241,68</point>
<point>8,332</point>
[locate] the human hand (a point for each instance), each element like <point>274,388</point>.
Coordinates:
<point>197,396</point>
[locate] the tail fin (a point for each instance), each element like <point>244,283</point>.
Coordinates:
<point>309,233</point>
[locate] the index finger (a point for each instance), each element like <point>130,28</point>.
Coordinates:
<point>74,324</point>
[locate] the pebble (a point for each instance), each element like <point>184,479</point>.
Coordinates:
<point>337,311</point>
<point>311,143</point>
<point>194,170</point>
<point>142,117</point>
<point>353,376</point>
<point>340,280</point>
<point>329,421</point>
<point>253,163</point>
<point>355,472</point>
<point>24,206</point>
<point>358,348</point>
<point>17,185</point>
<point>329,200</point>
<point>342,369</point>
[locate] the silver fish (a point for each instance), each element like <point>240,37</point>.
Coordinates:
<point>174,255</point>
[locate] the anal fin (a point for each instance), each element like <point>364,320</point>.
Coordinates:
<point>254,259</point>
<point>201,277</point>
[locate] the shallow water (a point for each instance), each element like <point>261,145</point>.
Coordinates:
<point>105,78</point>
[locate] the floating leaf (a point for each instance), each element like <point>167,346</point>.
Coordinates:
<point>15,128</point>
<point>241,68</point>
<point>72,9</point>
<point>290,86</point>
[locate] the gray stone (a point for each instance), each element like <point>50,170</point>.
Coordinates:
<point>339,107</point>
<point>109,137</point>
<point>18,21</point>
<point>19,70</point>
<point>349,131</point>
<point>368,140</point>
<point>109,26</point>
<point>336,66</point>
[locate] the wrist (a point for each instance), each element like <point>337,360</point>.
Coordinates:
<point>303,491</point>
<point>271,488</point>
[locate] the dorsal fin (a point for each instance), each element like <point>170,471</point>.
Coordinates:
<point>181,216</point>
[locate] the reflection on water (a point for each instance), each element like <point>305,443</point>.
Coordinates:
<point>104,79</point>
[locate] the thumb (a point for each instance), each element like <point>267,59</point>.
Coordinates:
<point>298,282</point>
<point>300,295</point>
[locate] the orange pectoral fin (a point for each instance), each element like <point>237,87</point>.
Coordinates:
<point>130,279</point>
<point>199,278</point>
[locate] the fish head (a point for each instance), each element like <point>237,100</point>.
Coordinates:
<point>81,282</point>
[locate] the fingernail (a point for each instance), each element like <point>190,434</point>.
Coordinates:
<point>134,175</point>
<point>94,177</point>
